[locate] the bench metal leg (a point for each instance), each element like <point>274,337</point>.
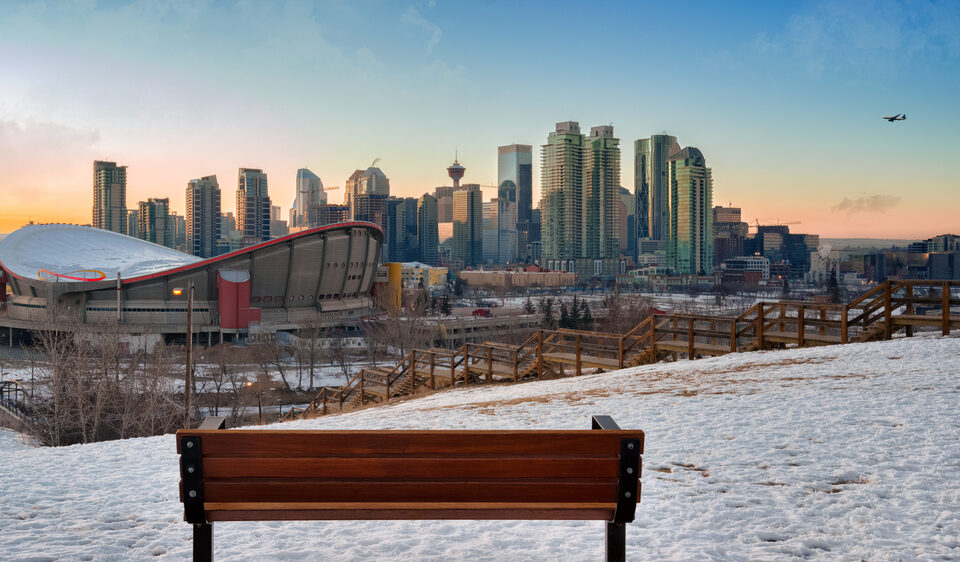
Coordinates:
<point>203,542</point>
<point>616,538</point>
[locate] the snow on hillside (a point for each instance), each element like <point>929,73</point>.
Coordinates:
<point>843,452</point>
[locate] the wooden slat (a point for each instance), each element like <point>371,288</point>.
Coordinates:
<point>253,511</point>
<point>312,490</point>
<point>305,443</point>
<point>407,467</point>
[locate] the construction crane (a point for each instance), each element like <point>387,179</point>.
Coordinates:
<point>331,188</point>
<point>756,223</point>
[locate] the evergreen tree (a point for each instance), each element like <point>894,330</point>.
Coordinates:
<point>545,307</point>
<point>834,287</point>
<point>575,309</point>
<point>444,305</point>
<point>786,288</point>
<point>564,315</point>
<point>528,307</point>
<point>586,319</point>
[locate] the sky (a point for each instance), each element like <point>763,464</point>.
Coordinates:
<point>784,99</point>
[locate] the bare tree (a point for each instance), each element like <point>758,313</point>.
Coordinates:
<point>405,327</point>
<point>624,312</point>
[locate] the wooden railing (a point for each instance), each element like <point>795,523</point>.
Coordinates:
<point>878,313</point>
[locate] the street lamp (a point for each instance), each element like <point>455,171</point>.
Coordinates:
<point>188,375</point>
<point>259,400</point>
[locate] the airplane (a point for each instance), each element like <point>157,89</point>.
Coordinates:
<point>896,117</point>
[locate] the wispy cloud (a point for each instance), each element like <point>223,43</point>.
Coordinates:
<point>864,36</point>
<point>867,204</point>
<point>413,17</point>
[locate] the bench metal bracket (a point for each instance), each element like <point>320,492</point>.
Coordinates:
<point>191,474</point>
<point>627,486</point>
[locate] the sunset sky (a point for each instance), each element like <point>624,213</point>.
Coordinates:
<point>784,99</point>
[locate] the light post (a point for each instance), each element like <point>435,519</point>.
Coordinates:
<point>188,375</point>
<point>259,400</point>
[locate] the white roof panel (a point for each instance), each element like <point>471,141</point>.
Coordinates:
<point>68,252</point>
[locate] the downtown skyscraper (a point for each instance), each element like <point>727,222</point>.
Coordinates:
<point>427,229</point>
<point>253,206</point>
<point>109,196</point>
<point>310,196</point>
<point>601,195</point>
<point>515,184</point>
<point>203,216</point>
<point>580,230</point>
<point>652,185</point>
<point>690,241</point>
<point>562,197</point>
<point>153,222</point>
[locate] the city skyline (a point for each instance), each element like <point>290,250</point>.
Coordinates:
<point>790,112</point>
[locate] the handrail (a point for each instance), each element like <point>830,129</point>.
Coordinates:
<point>869,315</point>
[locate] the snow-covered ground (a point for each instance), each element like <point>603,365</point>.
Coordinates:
<point>846,452</point>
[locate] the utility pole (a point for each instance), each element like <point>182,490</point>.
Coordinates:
<point>188,376</point>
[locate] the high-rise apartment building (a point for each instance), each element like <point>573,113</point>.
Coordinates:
<point>109,196</point>
<point>370,207</point>
<point>133,223</point>
<point>601,195</point>
<point>178,225</point>
<point>690,242</point>
<point>310,195</point>
<point>253,206</point>
<point>203,216</point>
<point>153,222</point>
<point>468,226</point>
<point>329,213</point>
<point>652,185</point>
<point>427,230</point>
<point>562,197</point>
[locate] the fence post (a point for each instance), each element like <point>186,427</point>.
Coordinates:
<point>759,328</point>
<point>801,316</point>
<point>887,313</point>
<point>578,354</point>
<point>945,295</point>
<point>539,355</point>
<point>690,338</point>
<point>620,352</point>
<point>489,365</point>
<point>516,365</point>
<point>433,365</point>
<point>733,335</point>
<point>909,298</point>
<point>844,312</point>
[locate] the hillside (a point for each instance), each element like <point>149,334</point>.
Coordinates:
<point>843,452</point>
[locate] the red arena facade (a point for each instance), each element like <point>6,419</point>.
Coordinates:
<point>68,275</point>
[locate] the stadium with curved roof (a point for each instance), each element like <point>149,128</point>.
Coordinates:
<point>79,275</point>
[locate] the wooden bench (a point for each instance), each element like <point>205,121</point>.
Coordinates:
<point>271,475</point>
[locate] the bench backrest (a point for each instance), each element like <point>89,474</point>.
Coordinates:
<point>230,475</point>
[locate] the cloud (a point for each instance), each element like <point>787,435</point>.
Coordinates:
<point>858,37</point>
<point>413,17</point>
<point>867,204</point>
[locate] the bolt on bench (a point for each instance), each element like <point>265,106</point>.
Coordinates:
<point>272,475</point>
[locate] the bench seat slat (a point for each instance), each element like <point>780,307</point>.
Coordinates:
<point>409,468</point>
<point>272,443</point>
<point>291,490</point>
<point>299,511</point>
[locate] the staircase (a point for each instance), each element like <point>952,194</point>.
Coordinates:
<point>878,314</point>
